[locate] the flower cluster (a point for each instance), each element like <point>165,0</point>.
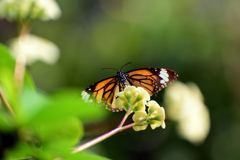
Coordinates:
<point>23,10</point>
<point>185,105</point>
<point>35,48</point>
<point>132,97</point>
<point>135,99</point>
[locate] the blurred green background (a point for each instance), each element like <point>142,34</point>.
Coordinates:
<point>198,39</point>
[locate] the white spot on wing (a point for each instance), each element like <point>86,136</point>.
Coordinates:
<point>162,81</point>
<point>83,92</point>
<point>85,97</point>
<point>164,75</point>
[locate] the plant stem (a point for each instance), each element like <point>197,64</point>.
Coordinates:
<point>19,71</point>
<point>5,102</point>
<point>21,60</point>
<point>125,117</point>
<point>96,140</point>
<point>101,138</point>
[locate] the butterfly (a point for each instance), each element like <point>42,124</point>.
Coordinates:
<point>151,79</point>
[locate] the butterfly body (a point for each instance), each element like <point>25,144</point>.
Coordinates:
<point>151,79</point>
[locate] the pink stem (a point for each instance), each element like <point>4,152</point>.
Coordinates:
<point>96,140</point>
<point>19,70</point>
<point>21,59</point>
<point>101,138</point>
<point>124,118</point>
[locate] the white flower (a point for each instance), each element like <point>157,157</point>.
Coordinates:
<point>51,9</point>
<point>22,10</point>
<point>35,48</point>
<point>184,104</point>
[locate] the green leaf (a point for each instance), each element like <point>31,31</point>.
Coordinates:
<point>82,156</point>
<point>55,118</point>
<point>32,103</point>
<point>71,102</point>
<point>63,134</point>
<point>28,81</point>
<point>93,157</point>
<point>25,150</point>
<point>8,86</point>
<point>38,108</point>
<point>7,62</point>
<point>6,123</point>
<point>7,83</point>
<point>6,58</point>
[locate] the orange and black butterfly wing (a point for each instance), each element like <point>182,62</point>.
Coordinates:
<point>152,79</point>
<point>103,92</point>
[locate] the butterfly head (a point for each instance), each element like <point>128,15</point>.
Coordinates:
<point>122,78</point>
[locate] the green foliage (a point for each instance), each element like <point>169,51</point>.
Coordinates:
<point>198,39</point>
<point>45,126</point>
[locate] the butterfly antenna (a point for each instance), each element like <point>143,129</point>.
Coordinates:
<point>125,65</point>
<point>109,68</point>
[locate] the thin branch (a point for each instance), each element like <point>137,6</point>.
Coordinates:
<point>125,117</point>
<point>128,126</point>
<point>21,60</point>
<point>104,136</point>
<point>96,140</point>
<point>5,102</point>
<point>101,138</point>
<point>19,71</point>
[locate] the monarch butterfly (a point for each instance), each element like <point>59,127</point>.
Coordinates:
<point>151,79</point>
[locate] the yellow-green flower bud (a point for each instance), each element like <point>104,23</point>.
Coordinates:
<point>135,97</point>
<point>139,116</point>
<point>157,115</point>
